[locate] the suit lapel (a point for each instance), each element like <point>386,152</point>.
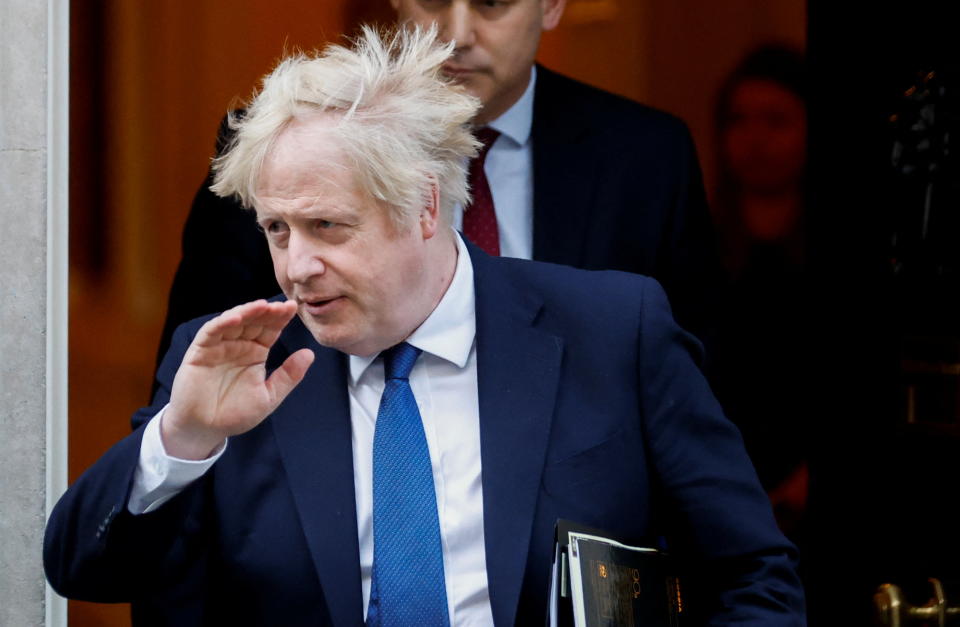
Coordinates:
<point>518,368</point>
<point>564,174</point>
<point>313,433</point>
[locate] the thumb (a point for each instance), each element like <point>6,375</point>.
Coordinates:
<point>282,381</point>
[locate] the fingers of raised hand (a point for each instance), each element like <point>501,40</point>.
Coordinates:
<point>258,321</point>
<point>266,327</point>
<point>226,325</point>
<point>282,381</point>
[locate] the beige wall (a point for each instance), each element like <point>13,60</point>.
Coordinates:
<point>22,309</point>
<point>32,309</point>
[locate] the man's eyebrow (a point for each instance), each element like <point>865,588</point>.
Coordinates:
<point>339,211</point>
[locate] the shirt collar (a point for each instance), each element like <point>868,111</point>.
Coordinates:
<point>517,121</point>
<point>449,330</point>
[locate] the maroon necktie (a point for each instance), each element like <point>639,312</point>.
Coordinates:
<point>479,219</point>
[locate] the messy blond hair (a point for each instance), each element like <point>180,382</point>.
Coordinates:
<point>402,124</point>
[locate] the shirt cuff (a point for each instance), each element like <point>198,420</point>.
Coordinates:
<point>159,477</point>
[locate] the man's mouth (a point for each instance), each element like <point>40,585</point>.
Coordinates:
<point>456,71</point>
<point>318,306</point>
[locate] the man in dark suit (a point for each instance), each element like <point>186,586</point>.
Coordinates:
<point>578,176</point>
<point>401,449</point>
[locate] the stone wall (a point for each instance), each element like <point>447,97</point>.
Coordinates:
<point>23,270</point>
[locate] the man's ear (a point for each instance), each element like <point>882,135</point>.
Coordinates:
<point>430,214</point>
<point>552,12</point>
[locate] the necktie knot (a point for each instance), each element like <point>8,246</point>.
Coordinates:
<point>487,136</point>
<point>398,361</point>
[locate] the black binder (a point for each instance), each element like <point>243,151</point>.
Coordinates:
<point>599,580</point>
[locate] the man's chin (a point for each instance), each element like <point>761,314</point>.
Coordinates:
<point>343,340</point>
<point>470,81</point>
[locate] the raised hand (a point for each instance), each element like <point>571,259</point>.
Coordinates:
<point>221,387</point>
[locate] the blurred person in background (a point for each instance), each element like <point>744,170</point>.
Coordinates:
<point>759,205</point>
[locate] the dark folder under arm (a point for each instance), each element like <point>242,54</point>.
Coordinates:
<point>601,581</point>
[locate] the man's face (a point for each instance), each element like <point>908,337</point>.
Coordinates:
<point>357,277</point>
<point>496,43</point>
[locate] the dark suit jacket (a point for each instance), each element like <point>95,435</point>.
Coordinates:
<point>591,409</point>
<point>616,187</point>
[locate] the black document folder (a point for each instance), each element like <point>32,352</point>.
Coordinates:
<point>600,581</point>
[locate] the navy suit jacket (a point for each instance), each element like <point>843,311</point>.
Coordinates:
<point>591,408</point>
<point>617,186</point>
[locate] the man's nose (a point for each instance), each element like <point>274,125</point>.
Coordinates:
<point>304,259</point>
<point>456,24</point>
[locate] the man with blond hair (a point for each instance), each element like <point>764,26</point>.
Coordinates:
<point>570,174</point>
<point>392,439</point>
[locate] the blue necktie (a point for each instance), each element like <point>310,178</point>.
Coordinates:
<point>407,586</point>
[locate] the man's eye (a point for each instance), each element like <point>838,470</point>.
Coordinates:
<point>326,224</point>
<point>272,227</point>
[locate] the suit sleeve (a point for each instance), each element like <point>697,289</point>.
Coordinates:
<point>737,566</point>
<point>95,550</point>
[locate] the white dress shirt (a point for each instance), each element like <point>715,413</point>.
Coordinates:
<point>444,382</point>
<point>509,170</point>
